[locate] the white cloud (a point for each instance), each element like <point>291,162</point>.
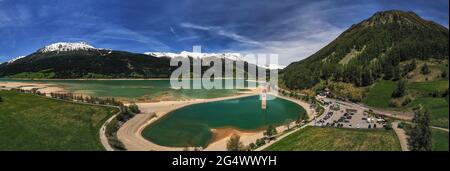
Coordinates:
<point>109,31</point>
<point>300,45</point>
<point>222,32</point>
<point>310,32</point>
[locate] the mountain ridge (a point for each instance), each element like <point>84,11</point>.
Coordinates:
<point>370,50</point>
<point>68,60</point>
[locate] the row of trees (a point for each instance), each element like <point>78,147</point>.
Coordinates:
<point>86,99</point>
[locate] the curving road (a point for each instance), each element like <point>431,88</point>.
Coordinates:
<point>103,137</point>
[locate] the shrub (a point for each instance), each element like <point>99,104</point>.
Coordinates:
<point>235,144</point>
<point>270,131</point>
<point>394,103</point>
<point>260,142</point>
<point>425,69</point>
<point>252,146</point>
<point>406,101</point>
<point>387,126</point>
<point>134,108</point>
<point>400,91</point>
<point>444,74</point>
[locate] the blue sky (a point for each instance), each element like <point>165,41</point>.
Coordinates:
<point>293,29</point>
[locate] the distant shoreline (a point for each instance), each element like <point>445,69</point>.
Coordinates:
<point>50,79</point>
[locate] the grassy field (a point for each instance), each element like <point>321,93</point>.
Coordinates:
<point>428,87</point>
<point>438,108</point>
<point>29,122</point>
<point>338,139</point>
<point>380,94</point>
<point>439,140</point>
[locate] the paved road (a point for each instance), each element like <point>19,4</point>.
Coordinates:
<point>443,129</point>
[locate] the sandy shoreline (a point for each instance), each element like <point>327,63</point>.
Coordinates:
<point>56,79</point>
<point>131,132</point>
<point>42,87</point>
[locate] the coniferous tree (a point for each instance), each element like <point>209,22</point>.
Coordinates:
<point>235,144</point>
<point>425,69</point>
<point>420,135</point>
<point>400,90</point>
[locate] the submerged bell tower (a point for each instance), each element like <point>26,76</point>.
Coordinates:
<point>264,99</point>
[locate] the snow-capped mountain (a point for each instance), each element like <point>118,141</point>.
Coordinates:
<point>231,56</point>
<point>15,59</point>
<point>185,54</point>
<point>66,46</point>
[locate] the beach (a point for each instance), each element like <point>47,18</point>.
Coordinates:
<point>42,87</point>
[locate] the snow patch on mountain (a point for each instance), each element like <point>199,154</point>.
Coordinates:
<point>15,59</point>
<point>66,46</point>
<point>273,66</point>
<point>185,54</point>
<point>231,56</point>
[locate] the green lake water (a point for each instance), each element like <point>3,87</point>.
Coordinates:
<point>134,89</point>
<point>190,126</point>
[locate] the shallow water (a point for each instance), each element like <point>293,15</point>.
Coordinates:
<point>135,89</point>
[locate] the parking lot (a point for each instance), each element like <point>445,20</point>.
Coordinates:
<point>341,115</point>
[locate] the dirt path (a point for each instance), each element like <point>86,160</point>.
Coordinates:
<point>443,129</point>
<point>401,136</point>
<point>103,137</point>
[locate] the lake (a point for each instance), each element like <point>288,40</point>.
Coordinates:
<point>136,89</point>
<point>190,125</point>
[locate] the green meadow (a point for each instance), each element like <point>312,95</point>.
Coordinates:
<point>30,122</point>
<point>338,139</point>
<point>380,94</point>
<point>439,140</point>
